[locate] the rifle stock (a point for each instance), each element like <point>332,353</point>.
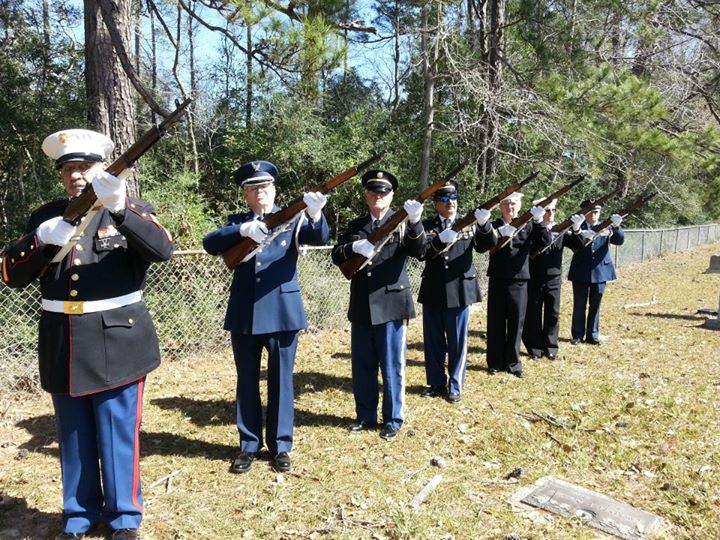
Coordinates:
<point>560,228</point>
<point>521,220</point>
<point>80,206</point>
<point>244,249</point>
<point>357,261</point>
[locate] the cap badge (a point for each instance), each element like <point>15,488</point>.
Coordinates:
<point>62,138</point>
<point>380,174</point>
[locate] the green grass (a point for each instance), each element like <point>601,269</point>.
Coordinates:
<point>635,419</point>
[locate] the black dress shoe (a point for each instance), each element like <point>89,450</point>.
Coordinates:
<point>125,534</point>
<point>518,374</point>
<point>361,425</point>
<point>281,462</point>
<point>536,356</point>
<point>388,432</point>
<point>433,391</point>
<point>493,371</point>
<point>69,536</point>
<point>593,342</point>
<point>575,341</point>
<point>454,397</point>
<point>552,356</point>
<point>243,462</point>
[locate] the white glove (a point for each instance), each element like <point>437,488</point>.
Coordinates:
<point>110,191</point>
<point>414,210</point>
<point>448,236</point>
<point>55,231</point>
<point>616,220</point>
<point>255,230</point>
<point>537,213</point>
<point>577,220</point>
<point>315,202</point>
<point>482,215</point>
<point>507,230</point>
<point>588,234</point>
<point>363,247</point>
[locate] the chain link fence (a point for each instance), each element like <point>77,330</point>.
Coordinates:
<point>188,296</point>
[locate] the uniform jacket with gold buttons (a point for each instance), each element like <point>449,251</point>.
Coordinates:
<point>89,353</point>
<point>265,291</point>
<point>449,279</point>
<point>380,292</point>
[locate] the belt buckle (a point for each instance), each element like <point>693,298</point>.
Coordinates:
<point>73,308</point>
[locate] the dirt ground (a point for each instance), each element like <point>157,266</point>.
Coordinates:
<point>635,418</point>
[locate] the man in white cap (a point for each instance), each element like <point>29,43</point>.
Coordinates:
<point>265,310</point>
<point>542,318</point>
<point>507,287</point>
<point>97,342</point>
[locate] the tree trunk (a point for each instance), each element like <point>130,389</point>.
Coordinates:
<point>111,103</point>
<point>491,118</point>
<point>248,77</point>
<point>429,50</point>
<point>193,94</point>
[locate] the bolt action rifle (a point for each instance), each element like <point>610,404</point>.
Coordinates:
<point>490,204</point>
<point>381,236</point>
<point>85,205</point>
<point>521,220</point>
<point>247,247</point>
<point>560,228</point>
<point>625,212</point>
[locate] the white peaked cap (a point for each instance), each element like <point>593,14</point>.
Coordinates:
<point>514,196</point>
<point>551,205</point>
<point>77,145</point>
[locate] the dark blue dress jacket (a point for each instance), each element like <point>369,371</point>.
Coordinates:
<point>593,264</point>
<point>265,292</point>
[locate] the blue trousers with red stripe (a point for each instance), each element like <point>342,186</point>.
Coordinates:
<point>99,455</point>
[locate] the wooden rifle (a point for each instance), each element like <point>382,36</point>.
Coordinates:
<point>521,220</point>
<point>380,236</point>
<point>625,212</point>
<point>490,204</point>
<point>85,205</point>
<point>81,204</point>
<point>247,247</point>
<point>560,228</point>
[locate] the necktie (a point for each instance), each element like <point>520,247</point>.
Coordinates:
<point>446,223</point>
<point>375,224</point>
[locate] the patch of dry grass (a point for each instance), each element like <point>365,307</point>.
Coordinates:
<point>636,419</point>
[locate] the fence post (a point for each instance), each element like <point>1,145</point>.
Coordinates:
<point>661,241</point>
<point>677,236</point>
<point>642,247</point>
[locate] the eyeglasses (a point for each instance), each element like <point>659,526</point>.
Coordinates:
<point>446,198</point>
<point>261,187</point>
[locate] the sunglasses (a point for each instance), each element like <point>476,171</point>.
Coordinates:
<point>446,198</point>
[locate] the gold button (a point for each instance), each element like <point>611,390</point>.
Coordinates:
<point>77,261</point>
<point>143,214</point>
<point>73,293</point>
<point>22,253</point>
<point>402,286</point>
<point>116,245</point>
<point>257,280</point>
<point>131,321</point>
<point>369,274</point>
<point>132,205</point>
<point>32,246</point>
<point>258,263</point>
<point>79,248</point>
<point>12,260</point>
<point>74,277</point>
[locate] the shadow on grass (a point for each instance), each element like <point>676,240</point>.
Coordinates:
<point>18,520</point>
<point>311,381</point>
<point>201,412</point>
<point>171,444</point>
<point>43,434</point>
<point>310,418</point>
